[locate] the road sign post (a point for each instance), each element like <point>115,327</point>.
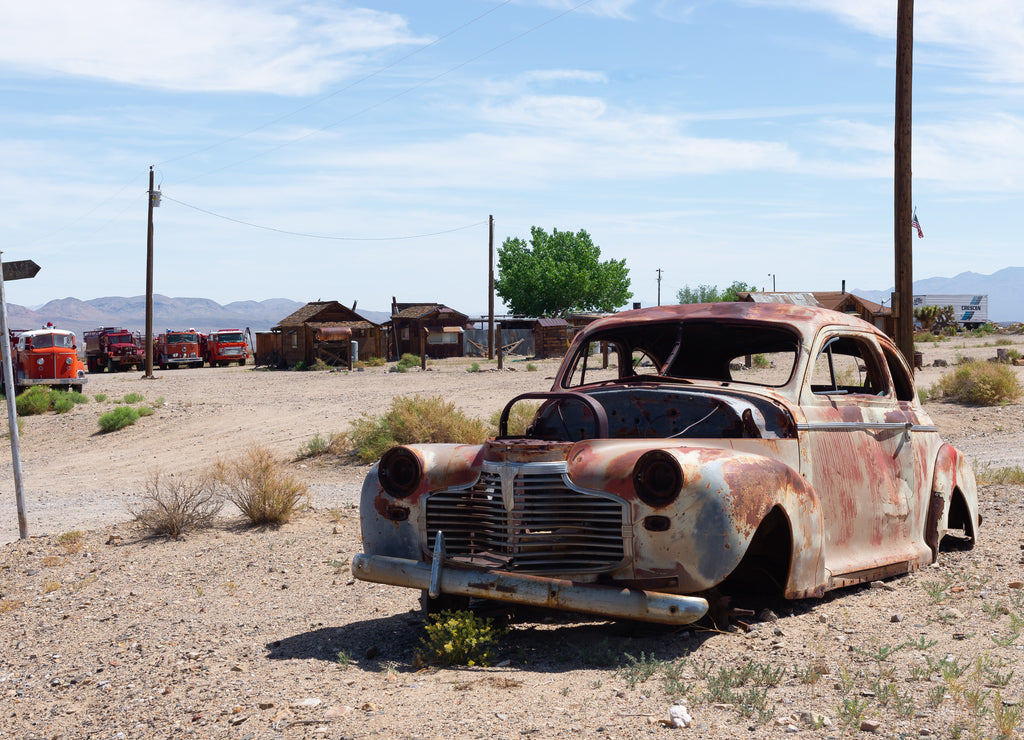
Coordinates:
<point>19,270</point>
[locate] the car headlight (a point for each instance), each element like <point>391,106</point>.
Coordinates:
<point>67,360</point>
<point>399,471</point>
<point>657,478</point>
<point>40,361</point>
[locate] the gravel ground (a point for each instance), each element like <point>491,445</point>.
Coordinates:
<point>237,632</point>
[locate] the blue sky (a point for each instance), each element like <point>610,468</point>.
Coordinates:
<point>353,151</point>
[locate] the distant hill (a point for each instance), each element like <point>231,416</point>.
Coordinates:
<point>1005,291</point>
<point>168,313</point>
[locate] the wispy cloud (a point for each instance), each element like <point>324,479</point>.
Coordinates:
<point>604,8</point>
<point>287,48</point>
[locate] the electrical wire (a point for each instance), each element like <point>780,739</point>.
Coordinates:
<point>323,236</point>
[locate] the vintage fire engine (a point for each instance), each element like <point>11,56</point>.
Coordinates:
<point>46,356</point>
<point>177,348</point>
<point>110,347</point>
<point>223,346</point>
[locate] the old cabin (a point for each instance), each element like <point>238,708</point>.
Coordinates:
<point>327,331</point>
<point>427,328</point>
<point>551,337</point>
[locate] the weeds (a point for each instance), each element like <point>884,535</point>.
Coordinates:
<point>130,398</point>
<point>317,445</point>
<point>1007,476</point>
<point>72,541</point>
<point>100,397</point>
<point>258,484</point>
<point>40,399</point>
<point>413,419</point>
<point>172,506</point>
<point>980,384</point>
<point>639,669</point>
<point>519,418</point>
<point>119,418</point>
<point>459,638</point>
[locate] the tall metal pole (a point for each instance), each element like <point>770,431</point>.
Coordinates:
<point>659,286</point>
<point>12,412</point>
<point>490,289</point>
<point>149,284</point>
<point>903,297</point>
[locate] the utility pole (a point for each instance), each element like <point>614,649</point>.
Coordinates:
<point>903,297</point>
<point>659,286</point>
<point>490,288</point>
<point>772,276</point>
<point>149,282</point>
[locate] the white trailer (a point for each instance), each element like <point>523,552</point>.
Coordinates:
<point>971,310</point>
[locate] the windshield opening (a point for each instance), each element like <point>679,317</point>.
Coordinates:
<point>755,353</point>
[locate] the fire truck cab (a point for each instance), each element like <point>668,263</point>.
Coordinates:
<point>47,356</point>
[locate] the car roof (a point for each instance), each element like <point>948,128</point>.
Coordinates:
<point>807,320</point>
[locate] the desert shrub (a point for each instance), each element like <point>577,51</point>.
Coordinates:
<point>375,362</point>
<point>474,368</point>
<point>319,365</point>
<point>300,366</point>
<point>412,419</point>
<point>518,418</point>
<point>36,400</point>
<point>1013,475</point>
<point>317,445</point>
<point>459,638</point>
<point>761,362</point>
<point>133,398</point>
<point>145,410</point>
<point>260,486</point>
<point>980,384</point>
<point>405,362</point>
<point>1004,342</point>
<point>173,505</point>
<point>72,541</point>
<point>119,418</point>
<point>100,397</point>
<point>531,368</point>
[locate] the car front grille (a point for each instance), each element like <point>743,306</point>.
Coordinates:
<point>526,517</point>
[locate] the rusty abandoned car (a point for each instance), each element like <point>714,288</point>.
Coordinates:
<point>682,452</point>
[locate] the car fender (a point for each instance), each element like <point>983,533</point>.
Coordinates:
<point>391,526</point>
<point>725,496</point>
<point>952,471</point>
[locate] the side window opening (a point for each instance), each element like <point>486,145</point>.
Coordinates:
<point>845,366</point>
<point>900,376</point>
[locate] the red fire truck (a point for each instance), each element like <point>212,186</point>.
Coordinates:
<point>223,346</point>
<point>115,348</point>
<point>177,348</point>
<point>46,356</point>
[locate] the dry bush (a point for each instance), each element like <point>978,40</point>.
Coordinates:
<point>519,418</point>
<point>172,506</point>
<point>260,486</point>
<point>980,383</point>
<point>411,420</point>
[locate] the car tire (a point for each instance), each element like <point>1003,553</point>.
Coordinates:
<point>443,603</point>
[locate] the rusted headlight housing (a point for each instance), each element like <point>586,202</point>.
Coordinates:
<point>657,478</point>
<point>399,471</point>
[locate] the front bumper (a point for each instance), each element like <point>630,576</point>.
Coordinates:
<point>552,593</point>
<point>25,382</point>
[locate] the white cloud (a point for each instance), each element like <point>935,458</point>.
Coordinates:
<point>285,47</point>
<point>986,36</point>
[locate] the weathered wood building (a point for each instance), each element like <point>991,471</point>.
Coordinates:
<point>433,329</point>
<point>325,331</point>
<point>551,337</point>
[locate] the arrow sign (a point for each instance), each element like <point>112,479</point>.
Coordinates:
<point>20,270</point>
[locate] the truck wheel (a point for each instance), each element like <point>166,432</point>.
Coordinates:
<point>162,362</point>
<point>241,363</point>
<point>77,387</point>
<point>444,602</point>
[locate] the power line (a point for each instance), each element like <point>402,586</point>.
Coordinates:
<point>323,236</point>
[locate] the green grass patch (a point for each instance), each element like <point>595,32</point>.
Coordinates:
<point>119,418</point>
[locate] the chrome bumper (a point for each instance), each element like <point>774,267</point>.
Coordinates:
<point>552,593</point>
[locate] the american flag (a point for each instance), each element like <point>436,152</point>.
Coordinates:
<point>917,225</point>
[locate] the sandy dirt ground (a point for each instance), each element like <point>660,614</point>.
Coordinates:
<point>246,633</point>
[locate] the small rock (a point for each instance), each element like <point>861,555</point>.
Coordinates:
<point>778,632</point>
<point>897,618</point>
<point>678,717</point>
<point>767,615</point>
<point>238,720</point>
<point>336,712</point>
<point>1016,584</point>
<point>310,701</point>
<point>870,725</point>
<point>266,705</point>
<point>368,707</point>
<point>925,732</point>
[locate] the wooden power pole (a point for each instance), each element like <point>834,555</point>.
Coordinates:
<point>149,283</point>
<point>903,297</point>
<point>490,288</point>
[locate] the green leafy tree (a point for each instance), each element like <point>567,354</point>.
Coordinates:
<point>559,273</point>
<point>711,294</point>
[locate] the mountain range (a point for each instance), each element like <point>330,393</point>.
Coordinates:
<point>1005,291</point>
<point>174,313</point>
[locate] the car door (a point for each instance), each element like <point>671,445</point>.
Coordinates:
<point>854,451</point>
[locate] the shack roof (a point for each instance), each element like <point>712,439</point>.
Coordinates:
<point>329,311</point>
<point>423,310</point>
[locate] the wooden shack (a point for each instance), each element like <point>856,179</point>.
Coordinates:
<point>433,329</point>
<point>551,337</point>
<point>327,331</point>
